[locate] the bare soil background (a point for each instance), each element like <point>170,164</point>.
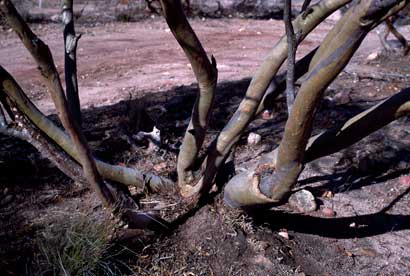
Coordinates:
<point>122,65</point>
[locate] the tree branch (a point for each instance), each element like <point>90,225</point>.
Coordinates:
<point>245,113</point>
<point>206,75</point>
<point>70,60</point>
<point>25,130</point>
<point>333,55</point>
<point>43,57</point>
<point>305,6</point>
<point>278,84</point>
<point>124,175</point>
<point>358,127</point>
<point>274,181</point>
<point>290,35</point>
<point>398,35</point>
<point>244,188</point>
<point>3,121</point>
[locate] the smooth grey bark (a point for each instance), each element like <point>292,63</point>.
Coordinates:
<point>44,59</point>
<point>358,127</point>
<point>278,84</point>
<point>228,137</point>
<point>206,74</point>
<point>120,174</point>
<point>244,189</point>
<point>271,183</point>
<point>291,38</point>
<point>333,55</point>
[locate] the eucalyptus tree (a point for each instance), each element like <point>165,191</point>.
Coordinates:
<point>272,180</point>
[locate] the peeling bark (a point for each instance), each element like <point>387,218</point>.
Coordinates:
<point>291,38</point>
<point>206,74</point>
<point>333,55</point>
<point>25,130</point>
<point>242,192</point>
<point>70,60</point>
<point>43,57</point>
<point>23,127</point>
<point>245,113</point>
<point>124,175</point>
<point>277,178</point>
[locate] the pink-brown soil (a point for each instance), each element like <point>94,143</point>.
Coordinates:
<point>124,63</point>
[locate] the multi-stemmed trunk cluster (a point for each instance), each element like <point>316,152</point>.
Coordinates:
<point>271,181</point>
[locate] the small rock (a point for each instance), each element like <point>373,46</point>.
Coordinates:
<point>284,234</point>
<point>404,181</point>
<point>372,56</point>
<point>328,212</point>
<point>303,201</point>
<point>266,115</point>
<point>254,139</point>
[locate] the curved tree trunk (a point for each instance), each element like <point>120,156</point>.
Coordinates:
<point>230,134</point>
<point>271,183</point>
<point>43,57</point>
<point>124,175</point>
<point>243,190</point>
<point>358,127</point>
<point>206,75</point>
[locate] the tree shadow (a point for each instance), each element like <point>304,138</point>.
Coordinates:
<point>340,228</point>
<point>163,109</point>
<point>369,170</point>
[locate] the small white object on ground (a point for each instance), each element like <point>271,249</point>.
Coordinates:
<point>254,139</point>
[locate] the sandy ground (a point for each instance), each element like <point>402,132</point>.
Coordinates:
<point>115,58</point>
<point>122,60</point>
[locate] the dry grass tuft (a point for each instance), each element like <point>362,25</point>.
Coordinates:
<point>80,246</point>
